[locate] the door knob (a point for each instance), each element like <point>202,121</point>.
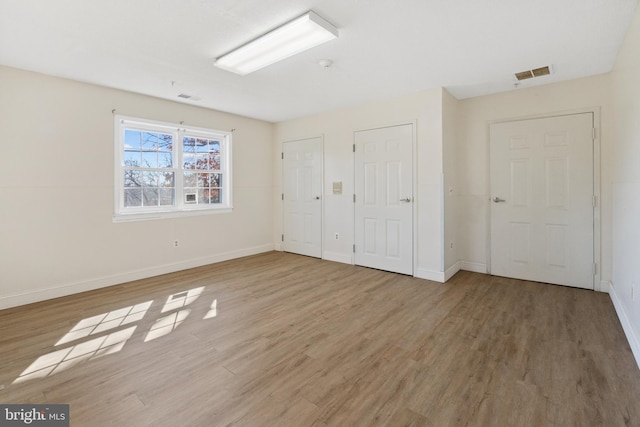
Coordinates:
<point>316,198</point>
<point>406,199</point>
<point>498,200</point>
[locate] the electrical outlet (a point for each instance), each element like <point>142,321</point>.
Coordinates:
<point>451,245</point>
<point>175,244</point>
<point>337,236</point>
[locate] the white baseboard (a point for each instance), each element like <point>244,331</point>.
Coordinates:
<point>438,276</point>
<point>605,286</point>
<point>634,342</point>
<point>435,276</point>
<point>449,272</point>
<point>337,257</point>
<point>475,267</point>
<point>102,282</point>
<point>277,247</point>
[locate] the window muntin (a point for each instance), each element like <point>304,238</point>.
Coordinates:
<point>167,169</point>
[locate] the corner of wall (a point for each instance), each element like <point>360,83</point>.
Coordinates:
<point>627,326</point>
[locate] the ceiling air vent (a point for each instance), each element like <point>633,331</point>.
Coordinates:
<point>529,74</point>
<point>191,97</point>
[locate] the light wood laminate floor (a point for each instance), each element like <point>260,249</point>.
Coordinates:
<point>284,340</point>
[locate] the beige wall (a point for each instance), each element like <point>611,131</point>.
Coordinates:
<point>625,289</point>
<point>474,116</point>
<point>337,127</point>
<point>56,191</point>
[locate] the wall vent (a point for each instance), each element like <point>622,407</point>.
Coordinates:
<point>529,74</point>
<point>184,95</point>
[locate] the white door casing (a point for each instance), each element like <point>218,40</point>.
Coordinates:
<point>542,199</point>
<point>302,196</point>
<point>384,198</point>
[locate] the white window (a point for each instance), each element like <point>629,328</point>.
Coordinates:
<point>166,169</point>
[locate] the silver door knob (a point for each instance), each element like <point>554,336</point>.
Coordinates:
<point>498,200</point>
<point>406,199</point>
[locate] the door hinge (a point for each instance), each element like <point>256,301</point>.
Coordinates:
<point>354,198</point>
<point>354,249</point>
<point>282,156</point>
<point>595,201</point>
<point>593,133</point>
<point>595,268</point>
<point>354,148</point>
<point>282,196</point>
<point>283,237</point>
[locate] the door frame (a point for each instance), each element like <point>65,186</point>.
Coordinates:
<point>598,285</point>
<point>414,182</point>
<point>282,186</point>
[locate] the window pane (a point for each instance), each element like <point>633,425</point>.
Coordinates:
<point>202,145</point>
<point>203,180</point>
<point>166,196</point>
<point>189,161</point>
<point>132,158</point>
<point>203,196</point>
<point>214,155</point>
<point>166,179</point>
<point>215,195</point>
<point>190,179</point>
<point>165,160</point>
<point>188,144</point>
<point>132,139</point>
<point>202,161</point>
<point>214,161</point>
<point>150,179</point>
<point>132,178</point>
<point>149,159</point>
<point>150,197</point>
<point>216,180</point>
<point>132,197</point>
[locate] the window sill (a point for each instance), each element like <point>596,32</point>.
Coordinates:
<point>148,216</point>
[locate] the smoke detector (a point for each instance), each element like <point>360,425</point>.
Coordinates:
<point>325,63</point>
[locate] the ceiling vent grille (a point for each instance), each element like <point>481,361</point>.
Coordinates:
<point>529,74</point>
<point>184,95</point>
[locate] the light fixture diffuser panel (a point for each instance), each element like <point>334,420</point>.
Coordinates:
<point>305,32</point>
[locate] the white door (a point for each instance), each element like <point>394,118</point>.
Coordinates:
<point>302,197</point>
<point>384,198</point>
<point>542,214</point>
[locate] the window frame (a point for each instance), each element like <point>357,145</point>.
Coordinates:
<point>179,208</point>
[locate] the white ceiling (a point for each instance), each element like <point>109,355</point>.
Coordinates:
<point>385,48</point>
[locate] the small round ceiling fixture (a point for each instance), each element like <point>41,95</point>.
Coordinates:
<point>325,63</point>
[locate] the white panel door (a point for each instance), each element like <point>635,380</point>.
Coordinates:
<point>302,197</point>
<point>383,199</point>
<point>542,215</point>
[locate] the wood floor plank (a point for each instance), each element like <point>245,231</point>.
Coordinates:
<point>278,339</point>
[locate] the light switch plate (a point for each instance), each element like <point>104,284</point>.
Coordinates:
<point>337,187</point>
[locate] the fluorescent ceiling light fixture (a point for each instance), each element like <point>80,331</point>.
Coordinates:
<point>305,32</point>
